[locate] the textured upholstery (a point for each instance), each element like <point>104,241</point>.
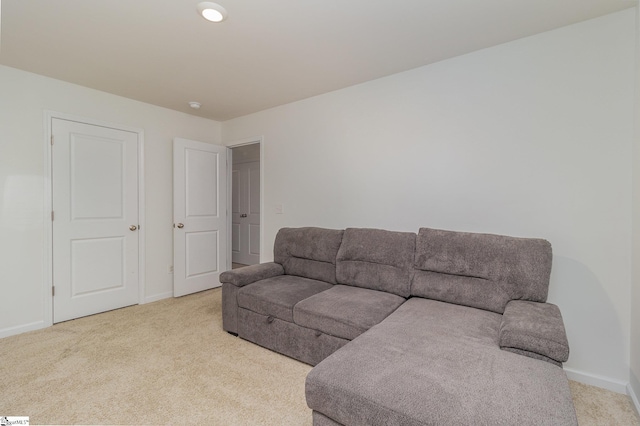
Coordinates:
<point>308,252</point>
<point>304,344</point>
<point>230,308</point>
<point>530,328</point>
<point>250,274</point>
<point>320,419</point>
<point>337,300</point>
<point>345,311</point>
<point>277,296</point>
<point>233,280</point>
<point>480,270</point>
<point>435,363</point>
<point>376,259</point>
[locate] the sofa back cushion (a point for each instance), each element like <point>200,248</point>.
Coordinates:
<point>480,270</point>
<point>376,259</point>
<point>308,252</point>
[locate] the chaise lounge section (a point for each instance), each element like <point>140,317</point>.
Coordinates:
<point>440,327</point>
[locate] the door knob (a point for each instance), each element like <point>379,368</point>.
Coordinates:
<point>180,225</point>
<point>133,228</point>
<point>243,215</point>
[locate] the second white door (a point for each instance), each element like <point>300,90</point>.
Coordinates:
<point>200,212</point>
<point>246,213</point>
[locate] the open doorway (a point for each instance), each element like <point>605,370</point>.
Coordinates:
<point>245,205</point>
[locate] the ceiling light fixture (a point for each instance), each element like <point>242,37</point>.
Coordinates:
<point>195,105</point>
<point>212,11</point>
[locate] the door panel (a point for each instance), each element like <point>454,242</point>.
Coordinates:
<point>246,213</point>
<point>253,219</point>
<point>199,215</point>
<point>236,224</point>
<point>89,275</point>
<point>235,238</point>
<point>95,201</point>
<point>97,185</point>
<point>201,169</point>
<point>254,242</point>
<point>200,246</point>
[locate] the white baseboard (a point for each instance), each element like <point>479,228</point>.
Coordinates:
<point>634,398</point>
<point>596,380</point>
<point>157,297</point>
<point>12,331</point>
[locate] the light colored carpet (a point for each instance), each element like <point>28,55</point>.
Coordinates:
<point>170,362</point>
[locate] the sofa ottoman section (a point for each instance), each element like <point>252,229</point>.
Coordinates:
<point>345,311</point>
<point>436,363</point>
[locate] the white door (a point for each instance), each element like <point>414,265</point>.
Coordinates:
<point>200,212</point>
<point>246,213</point>
<point>95,219</point>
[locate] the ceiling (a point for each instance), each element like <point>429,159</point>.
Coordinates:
<point>267,52</point>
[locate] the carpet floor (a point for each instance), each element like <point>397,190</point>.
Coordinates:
<point>171,362</point>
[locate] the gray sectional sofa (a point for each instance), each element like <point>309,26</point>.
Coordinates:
<point>434,328</point>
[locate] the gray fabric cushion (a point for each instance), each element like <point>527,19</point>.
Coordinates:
<point>308,252</point>
<point>480,270</point>
<point>530,327</point>
<point>230,307</point>
<point>250,274</point>
<point>345,311</point>
<point>533,355</point>
<point>474,292</point>
<point>376,259</point>
<point>435,363</point>
<point>277,296</point>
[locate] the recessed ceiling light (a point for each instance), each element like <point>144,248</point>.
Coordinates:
<point>194,105</point>
<point>212,11</point>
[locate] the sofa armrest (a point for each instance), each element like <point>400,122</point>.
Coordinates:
<point>250,274</point>
<point>534,329</point>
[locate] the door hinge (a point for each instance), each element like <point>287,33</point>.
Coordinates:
<point>53,290</point>
<point>51,139</point>
<point>51,215</point>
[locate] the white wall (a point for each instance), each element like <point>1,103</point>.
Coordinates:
<point>531,138</point>
<point>23,99</point>
<point>635,291</point>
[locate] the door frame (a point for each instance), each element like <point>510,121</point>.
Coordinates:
<point>235,144</point>
<point>48,206</point>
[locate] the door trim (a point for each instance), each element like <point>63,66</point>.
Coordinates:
<point>48,206</point>
<point>235,144</point>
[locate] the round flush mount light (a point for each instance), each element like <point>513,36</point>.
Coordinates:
<point>195,105</point>
<point>212,11</point>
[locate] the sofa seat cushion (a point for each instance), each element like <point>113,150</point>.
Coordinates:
<point>345,311</point>
<point>277,296</point>
<point>432,362</point>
